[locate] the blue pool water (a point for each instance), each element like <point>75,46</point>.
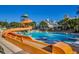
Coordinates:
<point>51,37</point>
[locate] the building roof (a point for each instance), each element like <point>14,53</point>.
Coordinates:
<point>25,15</point>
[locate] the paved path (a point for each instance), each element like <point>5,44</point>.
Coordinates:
<point>10,48</point>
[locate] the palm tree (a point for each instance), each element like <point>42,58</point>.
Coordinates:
<point>33,24</point>
<point>76,28</point>
<point>64,22</point>
<point>15,24</point>
<point>43,25</point>
<point>3,24</point>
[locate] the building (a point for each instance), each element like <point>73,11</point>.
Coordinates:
<point>51,24</point>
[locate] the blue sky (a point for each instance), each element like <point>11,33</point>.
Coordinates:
<point>13,13</point>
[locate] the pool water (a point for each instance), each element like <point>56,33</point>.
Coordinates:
<point>51,37</point>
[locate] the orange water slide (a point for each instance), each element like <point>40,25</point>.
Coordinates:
<point>62,48</point>
<point>33,46</point>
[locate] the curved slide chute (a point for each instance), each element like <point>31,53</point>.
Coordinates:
<point>62,48</point>
<point>34,46</point>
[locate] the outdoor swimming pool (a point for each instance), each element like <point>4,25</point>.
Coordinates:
<point>51,37</point>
